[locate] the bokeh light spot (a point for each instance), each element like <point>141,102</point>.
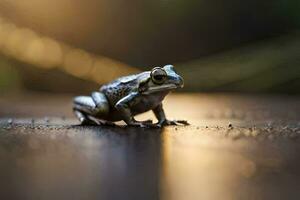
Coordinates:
<point>35,51</point>
<point>53,53</point>
<point>78,63</point>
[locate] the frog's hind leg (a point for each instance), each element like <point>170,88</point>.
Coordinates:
<point>83,107</point>
<point>88,112</point>
<point>83,118</point>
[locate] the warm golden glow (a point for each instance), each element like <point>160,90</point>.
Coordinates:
<point>78,63</point>
<point>197,166</point>
<point>6,29</point>
<point>104,69</point>
<point>17,41</point>
<point>53,55</point>
<point>28,46</point>
<point>35,52</point>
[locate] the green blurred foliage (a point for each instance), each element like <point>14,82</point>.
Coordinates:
<point>9,76</point>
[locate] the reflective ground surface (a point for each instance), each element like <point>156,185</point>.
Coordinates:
<point>236,148</point>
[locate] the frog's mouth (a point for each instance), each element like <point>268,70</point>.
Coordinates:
<point>160,88</point>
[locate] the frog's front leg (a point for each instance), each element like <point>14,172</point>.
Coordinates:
<point>162,120</point>
<point>124,105</point>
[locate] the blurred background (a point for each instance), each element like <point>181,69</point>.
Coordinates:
<point>240,60</point>
<point>74,46</point>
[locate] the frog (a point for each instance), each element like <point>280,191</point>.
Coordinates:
<point>128,96</point>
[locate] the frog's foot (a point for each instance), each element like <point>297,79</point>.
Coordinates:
<point>108,123</point>
<point>144,124</point>
<point>149,124</point>
<point>148,121</point>
<point>84,119</point>
<point>167,122</point>
<point>101,121</point>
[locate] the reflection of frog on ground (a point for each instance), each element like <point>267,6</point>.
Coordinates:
<point>128,96</point>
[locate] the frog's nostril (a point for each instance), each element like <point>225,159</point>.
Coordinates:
<point>180,82</point>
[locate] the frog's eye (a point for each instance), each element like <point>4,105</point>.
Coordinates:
<point>158,75</point>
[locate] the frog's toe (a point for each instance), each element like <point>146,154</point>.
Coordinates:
<point>174,122</point>
<point>149,125</point>
<point>137,124</point>
<point>167,123</point>
<point>184,122</point>
<point>154,125</point>
<point>148,121</point>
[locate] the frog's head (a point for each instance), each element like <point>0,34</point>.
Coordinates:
<point>163,79</point>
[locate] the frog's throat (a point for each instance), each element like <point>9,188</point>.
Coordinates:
<point>160,88</point>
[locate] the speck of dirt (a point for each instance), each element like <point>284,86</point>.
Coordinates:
<point>47,119</point>
<point>10,121</point>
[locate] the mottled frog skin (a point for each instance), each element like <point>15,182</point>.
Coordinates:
<point>128,96</point>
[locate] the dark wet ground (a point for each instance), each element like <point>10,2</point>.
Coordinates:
<point>238,147</point>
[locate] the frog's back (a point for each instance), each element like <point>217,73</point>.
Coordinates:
<point>119,88</point>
